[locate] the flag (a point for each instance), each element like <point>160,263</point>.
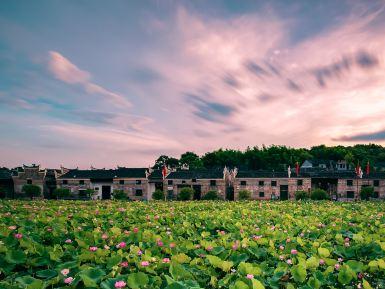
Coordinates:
<point>297,168</point>
<point>359,171</point>
<point>367,168</point>
<point>164,172</point>
<point>289,171</point>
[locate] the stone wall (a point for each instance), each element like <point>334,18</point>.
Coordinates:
<point>220,186</point>
<point>131,186</point>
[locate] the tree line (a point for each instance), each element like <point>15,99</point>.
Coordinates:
<point>276,157</point>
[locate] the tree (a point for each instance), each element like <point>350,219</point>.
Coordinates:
<point>31,191</point>
<point>61,192</point>
<point>158,195</point>
<point>119,195</point>
<point>211,195</point>
<point>301,195</point>
<point>185,194</point>
<point>366,193</point>
<point>244,195</point>
<point>191,159</point>
<point>319,194</point>
<point>164,160</point>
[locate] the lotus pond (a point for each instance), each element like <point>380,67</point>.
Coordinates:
<point>176,245</point>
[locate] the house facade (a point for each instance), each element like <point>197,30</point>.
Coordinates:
<point>28,175</point>
<point>201,181</point>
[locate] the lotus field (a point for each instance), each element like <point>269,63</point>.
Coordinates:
<point>176,245</point>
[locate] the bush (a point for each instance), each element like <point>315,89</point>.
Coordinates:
<point>158,195</point>
<point>185,194</point>
<point>366,193</point>
<point>244,195</point>
<point>301,195</point>
<point>61,192</point>
<point>3,193</point>
<point>119,195</point>
<point>319,194</point>
<point>211,195</point>
<point>31,191</point>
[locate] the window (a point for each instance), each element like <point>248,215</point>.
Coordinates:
<point>299,182</point>
<point>81,182</point>
<point>29,182</point>
<point>349,182</point>
<point>96,189</point>
<point>183,182</point>
<point>376,183</point>
<point>194,180</point>
<point>138,182</point>
<point>273,183</point>
<point>350,194</point>
<point>170,182</point>
<point>213,182</point>
<point>65,182</point>
<point>243,183</point>
<point>261,194</point>
<point>139,193</point>
<point>375,195</point>
<point>121,182</point>
<point>261,183</point>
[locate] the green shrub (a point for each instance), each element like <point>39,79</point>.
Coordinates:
<point>119,195</point>
<point>301,195</point>
<point>211,195</point>
<point>158,195</point>
<point>366,193</point>
<point>244,195</point>
<point>61,192</point>
<point>3,193</point>
<point>185,194</point>
<point>31,191</point>
<point>319,194</point>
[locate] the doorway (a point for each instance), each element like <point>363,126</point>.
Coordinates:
<point>197,192</point>
<point>106,192</point>
<point>284,192</point>
<point>230,193</point>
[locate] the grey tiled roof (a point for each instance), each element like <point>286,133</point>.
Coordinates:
<point>196,174</point>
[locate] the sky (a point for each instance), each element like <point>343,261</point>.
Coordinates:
<point>108,83</point>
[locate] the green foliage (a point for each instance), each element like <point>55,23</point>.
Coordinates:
<point>366,193</point>
<point>158,195</point>
<point>244,195</point>
<point>301,195</point>
<point>3,192</point>
<point>61,192</point>
<point>229,255</point>
<point>31,191</point>
<point>191,159</point>
<point>119,195</point>
<point>319,194</point>
<point>185,194</point>
<point>211,195</point>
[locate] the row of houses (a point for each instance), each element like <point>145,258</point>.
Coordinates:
<point>141,183</point>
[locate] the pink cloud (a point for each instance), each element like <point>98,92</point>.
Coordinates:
<point>64,70</point>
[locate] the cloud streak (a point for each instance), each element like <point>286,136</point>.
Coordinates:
<point>64,70</point>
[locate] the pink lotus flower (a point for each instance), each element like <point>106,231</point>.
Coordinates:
<point>288,240</point>
<point>156,217</point>
<point>68,241</point>
<point>166,260</point>
<point>124,264</point>
<point>136,230</point>
<point>120,284</point>
<point>281,257</point>
<point>140,253</point>
<point>337,266</point>
<point>294,252</point>
<point>93,249</point>
<point>340,260</point>
<point>121,245</point>
<point>321,261</point>
<point>49,229</point>
<point>65,272</point>
<point>347,244</point>
<point>145,263</point>
<point>209,248</point>
<point>347,239</point>
<point>288,261</point>
<point>249,276</point>
<point>18,236</point>
<point>281,248</point>
<point>12,228</point>
<point>159,243</point>
<point>106,247</point>
<point>197,246</point>
<point>172,245</point>
<point>234,246</point>
<point>68,280</point>
<point>104,236</point>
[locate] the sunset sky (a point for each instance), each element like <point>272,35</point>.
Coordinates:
<point>108,83</point>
